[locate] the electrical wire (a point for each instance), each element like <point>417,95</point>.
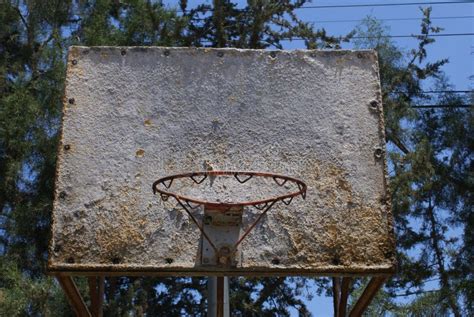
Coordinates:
<point>383,4</point>
<point>416,35</point>
<point>376,37</point>
<point>389,19</point>
<point>441,106</point>
<point>439,92</point>
<point>366,5</point>
<point>391,36</point>
<point>396,19</point>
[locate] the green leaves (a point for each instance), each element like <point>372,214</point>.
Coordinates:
<point>22,296</point>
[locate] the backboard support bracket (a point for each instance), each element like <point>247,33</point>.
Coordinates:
<point>224,228</point>
<point>341,292</point>
<point>73,295</point>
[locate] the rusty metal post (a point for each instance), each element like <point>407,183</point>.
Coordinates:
<point>218,296</point>
<point>346,281</point>
<point>92,281</point>
<point>336,291</point>
<point>96,291</point>
<point>73,296</point>
<point>101,290</point>
<point>369,293</point>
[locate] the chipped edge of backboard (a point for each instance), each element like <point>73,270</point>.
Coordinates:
<point>387,200</point>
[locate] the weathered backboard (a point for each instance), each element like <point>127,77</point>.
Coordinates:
<point>133,115</point>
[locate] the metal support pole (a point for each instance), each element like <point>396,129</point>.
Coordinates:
<point>218,296</point>
<point>369,293</point>
<point>73,296</point>
<point>346,283</point>
<point>336,292</point>
<point>96,291</point>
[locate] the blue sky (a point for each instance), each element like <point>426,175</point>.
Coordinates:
<point>458,49</point>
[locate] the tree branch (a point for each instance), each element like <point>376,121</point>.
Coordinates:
<point>22,18</point>
<point>416,293</point>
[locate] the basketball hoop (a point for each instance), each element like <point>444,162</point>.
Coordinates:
<point>224,254</point>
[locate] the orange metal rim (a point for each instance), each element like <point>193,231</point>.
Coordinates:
<point>240,176</point>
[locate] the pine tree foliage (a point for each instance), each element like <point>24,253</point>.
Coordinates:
<point>430,155</point>
<point>431,159</point>
<point>23,296</point>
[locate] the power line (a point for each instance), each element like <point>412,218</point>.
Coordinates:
<point>447,91</point>
<point>439,92</point>
<point>383,36</point>
<point>391,19</point>
<point>391,36</point>
<point>384,4</point>
<point>362,5</point>
<point>375,37</point>
<point>441,106</point>
<point>415,35</point>
<point>396,19</point>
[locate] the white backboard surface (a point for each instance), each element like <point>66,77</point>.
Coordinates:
<point>133,115</point>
